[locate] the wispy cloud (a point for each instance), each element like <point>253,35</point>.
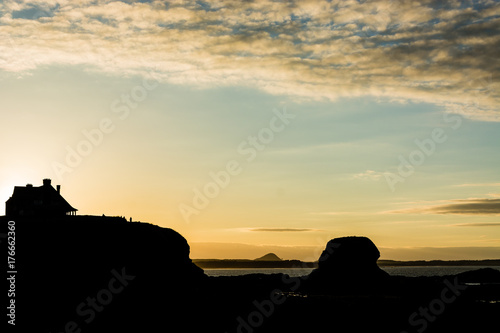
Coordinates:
<point>479,185</point>
<point>283,229</point>
<point>339,213</point>
<point>491,224</point>
<point>368,175</point>
<point>460,206</point>
<point>422,51</point>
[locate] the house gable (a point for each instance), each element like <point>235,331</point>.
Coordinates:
<point>43,200</point>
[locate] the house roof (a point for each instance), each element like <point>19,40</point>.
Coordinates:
<point>48,196</point>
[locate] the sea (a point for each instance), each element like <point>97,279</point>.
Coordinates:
<point>409,271</point>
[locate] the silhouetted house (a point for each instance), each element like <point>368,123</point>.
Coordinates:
<point>44,200</point>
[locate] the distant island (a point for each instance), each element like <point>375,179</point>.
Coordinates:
<point>271,260</point>
<point>269,257</point>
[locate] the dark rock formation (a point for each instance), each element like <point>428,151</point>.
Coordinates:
<point>83,274</point>
<point>348,262</point>
<point>483,276</point>
<point>103,274</point>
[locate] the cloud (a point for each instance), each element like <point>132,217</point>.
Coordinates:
<point>491,224</point>
<point>34,12</point>
<point>369,175</point>
<point>283,229</point>
<point>418,51</point>
<point>459,206</point>
<point>337,213</point>
<point>479,185</point>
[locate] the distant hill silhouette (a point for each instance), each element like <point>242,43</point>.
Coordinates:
<point>269,257</point>
<point>247,263</point>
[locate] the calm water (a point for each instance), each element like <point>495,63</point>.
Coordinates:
<point>405,271</point>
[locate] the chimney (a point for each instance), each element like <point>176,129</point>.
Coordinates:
<point>29,185</point>
<point>59,189</point>
<point>46,182</point>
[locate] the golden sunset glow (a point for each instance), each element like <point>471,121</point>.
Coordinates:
<point>257,127</point>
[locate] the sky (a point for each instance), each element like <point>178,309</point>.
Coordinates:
<point>262,126</point>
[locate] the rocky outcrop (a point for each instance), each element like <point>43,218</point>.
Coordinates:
<point>348,264</point>
<point>104,274</point>
<point>97,274</point>
<point>483,275</point>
